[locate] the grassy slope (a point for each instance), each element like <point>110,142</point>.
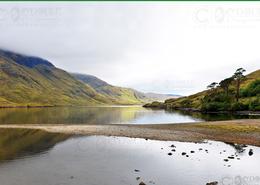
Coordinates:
<point>195,99</point>
<point>42,86</point>
<point>118,95</point>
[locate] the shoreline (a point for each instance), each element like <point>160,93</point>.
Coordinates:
<point>246,131</point>
<point>192,110</point>
<point>54,106</point>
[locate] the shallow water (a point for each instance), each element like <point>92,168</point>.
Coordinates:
<point>100,160</point>
<point>102,115</point>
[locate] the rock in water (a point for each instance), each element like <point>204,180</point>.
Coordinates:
<point>212,183</point>
<point>250,152</point>
<point>142,183</point>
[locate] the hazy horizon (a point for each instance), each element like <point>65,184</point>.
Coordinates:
<point>161,47</point>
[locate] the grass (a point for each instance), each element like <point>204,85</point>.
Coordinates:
<point>229,127</point>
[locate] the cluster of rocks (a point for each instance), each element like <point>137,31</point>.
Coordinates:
<point>183,153</point>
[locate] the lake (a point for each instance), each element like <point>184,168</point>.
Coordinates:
<point>29,157</point>
<point>104,115</point>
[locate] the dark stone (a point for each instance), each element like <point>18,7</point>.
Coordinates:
<point>183,153</point>
<point>212,183</point>
<point>170,153</point>
<point>250,152</point>
<point>173,146</point>
<point>173,150</point>
<point>226,160</point>
<point>137,178</point>
<point>192,151</point>
<point>231,157</point>
<point>142,183</point>
<point>137,170</point>
<point>187,155</point>
<point>200,149</point>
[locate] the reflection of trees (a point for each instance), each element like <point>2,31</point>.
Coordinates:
<point>213,116</point>
<point>16,143</point>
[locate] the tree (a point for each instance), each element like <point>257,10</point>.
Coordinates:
<point>212,85</point>
<point>238,77</point>
<point>224,84</point>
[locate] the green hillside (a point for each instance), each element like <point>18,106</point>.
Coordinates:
<point>31,81</point>
<point>220,98</point>
<point>119,95</point>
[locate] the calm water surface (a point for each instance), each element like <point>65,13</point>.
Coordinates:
<point>100,160</point>
<point>102,115</point>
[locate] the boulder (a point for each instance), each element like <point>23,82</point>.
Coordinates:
<point>212,183</point>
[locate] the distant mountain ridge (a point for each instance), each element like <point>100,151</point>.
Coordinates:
<point>120,93</point>
<point>33,81</point>
<point>161,97</point>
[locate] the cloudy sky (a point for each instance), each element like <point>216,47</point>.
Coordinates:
<point>168,47</point>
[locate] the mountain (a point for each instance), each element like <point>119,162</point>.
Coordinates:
<point>118,95</point>
<point>32,81</point>
<point>218,100</point>
<point>161,97</point>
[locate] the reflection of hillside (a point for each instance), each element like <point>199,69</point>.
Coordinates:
<point>16,143</point>
<point>69,115</point>
<point>213,117</point>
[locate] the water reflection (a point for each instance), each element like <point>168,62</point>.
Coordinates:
<point>215,116</point>
<point>115,160</point>
<point>18,143</point>
<point>91,115</point>
<point>104,115</point>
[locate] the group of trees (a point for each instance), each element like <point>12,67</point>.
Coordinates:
<point>225,95</point>
<point>224,84</point>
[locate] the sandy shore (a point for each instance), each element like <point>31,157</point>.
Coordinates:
<point>235,131</point>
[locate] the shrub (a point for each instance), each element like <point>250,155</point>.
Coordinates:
<point>239,106</point>
<point>215,106</point>
<point>253,89</point>
<point>255,105</point>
